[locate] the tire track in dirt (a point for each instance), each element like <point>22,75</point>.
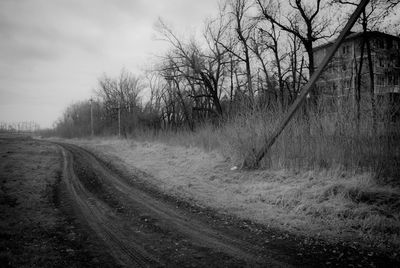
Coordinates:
<point>102,219</point>
<point>142,230</point>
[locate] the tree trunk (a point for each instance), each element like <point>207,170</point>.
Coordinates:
<point>185,110</point>
<point>371,72</point>
<point>358,89</point>
<point>313,96</point>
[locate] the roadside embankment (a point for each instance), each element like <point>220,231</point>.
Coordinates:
<point>335,205</point>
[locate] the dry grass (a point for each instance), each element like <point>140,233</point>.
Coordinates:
<point>334,203</point>
<point>322,141</point>
<point>322,177</point>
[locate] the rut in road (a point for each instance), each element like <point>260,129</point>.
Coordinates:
<point>141,229</point>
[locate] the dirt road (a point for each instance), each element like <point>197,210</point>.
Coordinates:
<point>38,227</point>
<point>143,227</point>
<point>63,206</point>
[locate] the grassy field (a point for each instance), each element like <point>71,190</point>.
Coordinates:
<point>36,228</point>
<point>328,175</point>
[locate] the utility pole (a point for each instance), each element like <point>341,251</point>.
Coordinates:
<point>119,119</point>
<point>307,88</point>
<point>91,117</point>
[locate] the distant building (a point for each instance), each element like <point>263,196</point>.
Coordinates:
<point>339,80</point>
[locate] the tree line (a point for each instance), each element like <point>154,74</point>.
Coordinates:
<point>254,55</point>
<point>23,126</point>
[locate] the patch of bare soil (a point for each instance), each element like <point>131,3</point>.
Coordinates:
<point>37,225</point>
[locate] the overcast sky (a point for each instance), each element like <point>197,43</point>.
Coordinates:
<point>53,51</point>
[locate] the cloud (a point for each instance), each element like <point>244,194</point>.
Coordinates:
<point>43,33</point>
<point>53,51</point>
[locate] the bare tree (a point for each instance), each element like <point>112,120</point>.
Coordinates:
<point>201,69</point>
<point>373,15</point>
<point>304,20</point>
<point>243,27</point>
<point>121,98</point>
<point>270,40</point>
<point>296,67</point>
<point>173,75</point>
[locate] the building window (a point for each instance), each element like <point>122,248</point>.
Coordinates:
<point>380,43</point>
<point>397,61</point>
<point>334,88</point>
<point>395,80</point>
<point>381,62</point>
<point>333,68</point>
<point>390,79</point>
<point>346,83</point>
<point>345,49</point>
<point>395,44</point>
<point>389,43</point>
<point>380,80</point>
